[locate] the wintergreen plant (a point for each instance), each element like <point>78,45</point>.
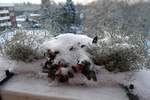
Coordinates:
<point>119,53</point>
<point>24,45</point>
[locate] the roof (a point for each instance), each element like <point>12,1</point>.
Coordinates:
<point>25,7</point>
<point>32,14</point>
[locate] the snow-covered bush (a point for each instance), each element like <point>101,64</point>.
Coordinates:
<point>24,45</point>
<point>21,52</point>
<point>118,53</point>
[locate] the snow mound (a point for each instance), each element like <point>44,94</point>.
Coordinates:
<point>69,47</point>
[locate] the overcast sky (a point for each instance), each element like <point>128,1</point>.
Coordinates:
<point>39,1</point>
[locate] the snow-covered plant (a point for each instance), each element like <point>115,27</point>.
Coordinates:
<point>21,52</point>
<point>67,56</point>
<point>119,53</point>
<point>24,45</point>
<point>80,56</point>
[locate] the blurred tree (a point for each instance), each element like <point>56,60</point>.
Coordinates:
<point>67,16</point>
<point>60,18</point>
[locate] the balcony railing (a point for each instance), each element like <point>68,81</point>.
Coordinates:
<point>5,18</point>
<point>5,24</point>
<point>4,11</point>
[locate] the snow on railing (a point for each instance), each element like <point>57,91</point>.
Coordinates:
<point>5,24</point>
<point>4,11</point>
<point>5,18</point>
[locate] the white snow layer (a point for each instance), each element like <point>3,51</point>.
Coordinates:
<point>105,79</point>
<point>63,43</point>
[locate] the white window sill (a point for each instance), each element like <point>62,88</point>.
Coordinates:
<point>25,88</point>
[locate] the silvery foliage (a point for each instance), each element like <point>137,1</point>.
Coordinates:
<point>24,45</point>
<point>120,53</point>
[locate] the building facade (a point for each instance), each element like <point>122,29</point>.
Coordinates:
<point>7,16</point>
